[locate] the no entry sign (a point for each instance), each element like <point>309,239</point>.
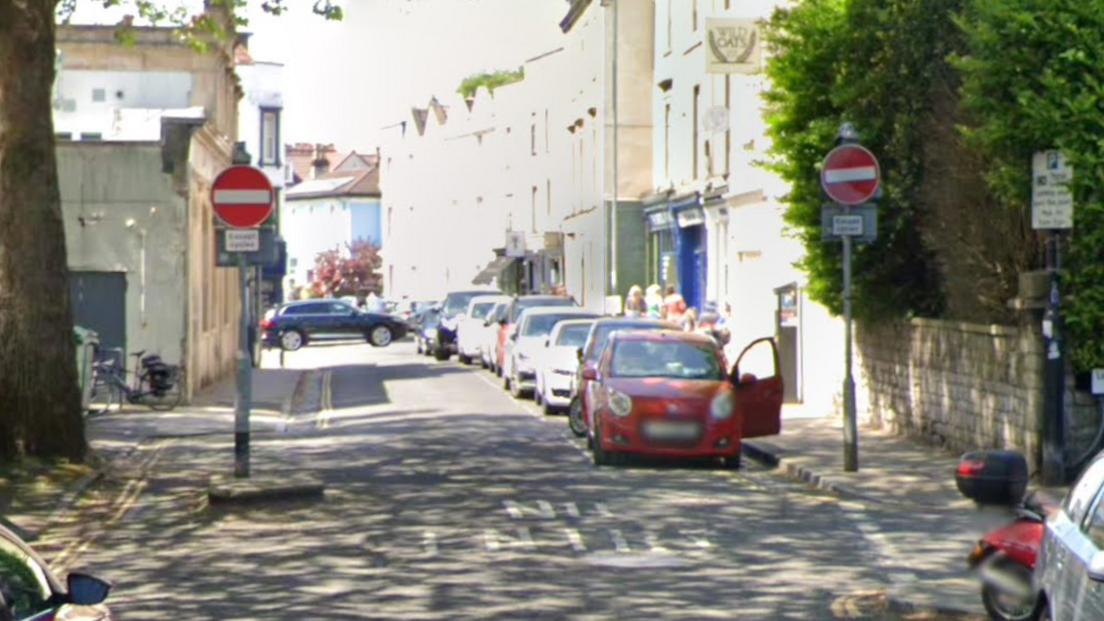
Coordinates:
<point>850,174</point>
<point>242,196</point>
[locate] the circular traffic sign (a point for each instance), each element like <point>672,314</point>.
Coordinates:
<point>242,197</point>
<point>850,174</point>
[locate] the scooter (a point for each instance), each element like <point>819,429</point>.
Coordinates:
<point>1004,560</point>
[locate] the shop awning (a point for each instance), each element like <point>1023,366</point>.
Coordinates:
<point>493,270</point>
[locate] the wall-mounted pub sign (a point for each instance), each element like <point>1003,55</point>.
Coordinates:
<point>733,46</point>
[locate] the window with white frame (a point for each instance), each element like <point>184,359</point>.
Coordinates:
<point>270,136</point>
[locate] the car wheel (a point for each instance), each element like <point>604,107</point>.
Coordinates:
<point>505,380</point>
<point>516,391</point>
<point>292,340</point>
<point>548,409</point>
<point>465,360</point>
<point>441,354</point>
<point>483,362</point>
<point>538,398</point>
<point>575,419</point>
<point>418,346</point>
<point>381,336</point>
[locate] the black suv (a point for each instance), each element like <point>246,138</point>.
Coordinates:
<point>455,305</point>
<point>296,324</point>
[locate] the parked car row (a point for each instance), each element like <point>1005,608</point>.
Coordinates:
<point>629,385</point>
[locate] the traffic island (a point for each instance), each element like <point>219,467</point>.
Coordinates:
<point>224,489</point>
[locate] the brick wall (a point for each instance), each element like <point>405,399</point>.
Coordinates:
<point>957,385</point>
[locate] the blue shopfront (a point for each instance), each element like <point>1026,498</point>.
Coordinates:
<point>691,257</point>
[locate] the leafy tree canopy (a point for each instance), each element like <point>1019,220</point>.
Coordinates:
<point>490,81</point>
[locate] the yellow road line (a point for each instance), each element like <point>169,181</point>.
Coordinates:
<point>325,410</point>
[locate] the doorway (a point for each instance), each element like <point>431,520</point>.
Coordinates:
<point>788,330</point>
<point>99,303</point>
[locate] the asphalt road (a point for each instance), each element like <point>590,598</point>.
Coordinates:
<point>447,499</point>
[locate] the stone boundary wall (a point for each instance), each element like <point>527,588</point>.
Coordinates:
<point>957,385</point>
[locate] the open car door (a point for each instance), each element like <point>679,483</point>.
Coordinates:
<point>759,395</point>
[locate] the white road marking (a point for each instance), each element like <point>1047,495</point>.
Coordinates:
<point>652,541</point>
<point>429,543</point>
<point>619,542</point>
<point>517,510</point>
<point>575,539</point>
<point>696,539</point>
<point>495,540</point>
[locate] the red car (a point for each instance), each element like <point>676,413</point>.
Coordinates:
<point>596,341</point>
<point>669,394</point>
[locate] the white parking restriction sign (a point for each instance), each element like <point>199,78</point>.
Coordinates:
<point>243,240</point>
<point>847,225</point>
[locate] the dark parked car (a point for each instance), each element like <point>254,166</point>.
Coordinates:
<point>29,591</point>
<point>296,324</point>
<point>453,307</point>
<point>424,327</point>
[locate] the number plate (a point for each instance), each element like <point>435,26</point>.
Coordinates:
<point>668,430</point>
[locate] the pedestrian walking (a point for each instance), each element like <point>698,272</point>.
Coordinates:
<point>635,306</point>
<point>674,305</point>
<point>689,320</point>
<point>653,302</point>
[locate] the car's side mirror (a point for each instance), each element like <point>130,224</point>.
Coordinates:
<point>501,322</point>
<point>746,378</point>
<point>85,590</point>
<point>579,354</point>
<point>512,336</point>
<point>590,374</point>
<point>486,323</point>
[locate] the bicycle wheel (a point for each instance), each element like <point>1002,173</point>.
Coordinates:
<point>165,400</point>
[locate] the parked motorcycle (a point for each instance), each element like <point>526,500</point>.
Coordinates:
<point>1004,558</point>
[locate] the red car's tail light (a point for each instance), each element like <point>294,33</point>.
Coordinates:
<point>266,324</point>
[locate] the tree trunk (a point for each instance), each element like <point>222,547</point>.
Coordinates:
<point>39,396</point>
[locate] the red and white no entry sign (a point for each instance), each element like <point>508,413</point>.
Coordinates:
<point>242,196</point>
<point>850,174</point>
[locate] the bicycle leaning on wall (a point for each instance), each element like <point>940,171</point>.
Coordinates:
<point>156,384</point>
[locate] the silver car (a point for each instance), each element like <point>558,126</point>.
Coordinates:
<point>1069,572</point>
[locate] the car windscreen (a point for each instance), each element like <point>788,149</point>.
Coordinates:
<point>603,332</point>
<point>456,303</point>
<point>541,325</point>
<point>669,359</point>
<point>521,305</point>
<point>574,335</point>
<point>480,311</point>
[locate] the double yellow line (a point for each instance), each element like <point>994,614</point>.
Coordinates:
<point>121,505</point>
<point>325,409</point>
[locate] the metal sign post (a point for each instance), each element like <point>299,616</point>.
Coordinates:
<point>850,176</point>
<point>242,198</point>
<point>850,415</point>
<point>1052,211</point>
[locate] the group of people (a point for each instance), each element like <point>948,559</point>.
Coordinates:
<point>669,305</point>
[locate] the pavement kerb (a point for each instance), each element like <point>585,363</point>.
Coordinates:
<point>770,456</point>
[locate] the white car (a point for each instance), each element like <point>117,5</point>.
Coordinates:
<point>469,331</point>
<point>526,343</point>
<point>559,362</point>
<point>488,339</point>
